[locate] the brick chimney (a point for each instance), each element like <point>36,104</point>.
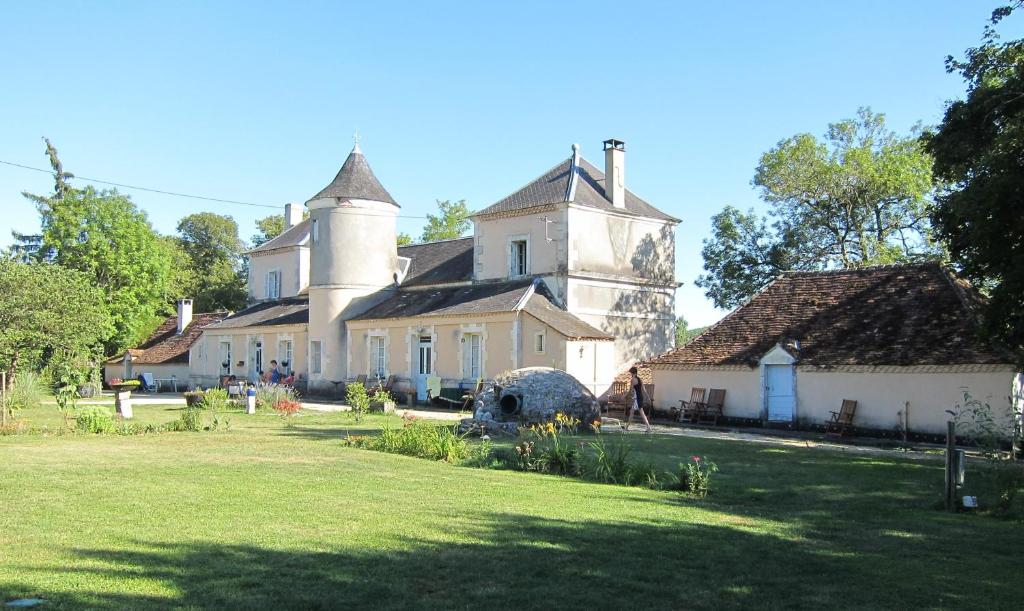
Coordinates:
<point>184,314</point>
<point>615,172</point>
<point>292,215</point>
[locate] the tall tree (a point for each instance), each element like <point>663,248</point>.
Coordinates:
<point>103,234</point>
<point>404,239</point>
<point>214,251</point>
<point>743,255</point>
<point>857,198</point>
<point>452,221</point>
<point>979,154</point>
<point>48,310</point>
<point>268,228</point>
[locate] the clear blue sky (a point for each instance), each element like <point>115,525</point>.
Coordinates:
<point>258,102</point>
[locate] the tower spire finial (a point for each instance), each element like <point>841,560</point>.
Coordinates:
<point>355,139</point>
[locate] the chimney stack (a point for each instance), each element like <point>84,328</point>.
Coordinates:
<point>184,314</point>
<point>615,172</point>
<point>292,215</point>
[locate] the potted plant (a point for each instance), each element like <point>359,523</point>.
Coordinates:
<point>123,395</point>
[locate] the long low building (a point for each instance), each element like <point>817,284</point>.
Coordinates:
<point>902,341</point>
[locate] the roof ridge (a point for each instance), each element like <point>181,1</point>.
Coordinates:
<point>466,237</point>
<point>867,268</point>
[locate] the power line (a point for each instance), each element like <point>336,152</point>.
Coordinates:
<point>162,192</point>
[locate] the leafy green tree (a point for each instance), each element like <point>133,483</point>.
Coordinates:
<point>214,251</point>
<point>979,154</point>
<point>404,239</point>
<point>742,256</point>
<point>857,198</point>
<point>47,311</point>
<point>452,221</point>
<point>103,234</point>
<point>684,333</point>
<point>268,228</point>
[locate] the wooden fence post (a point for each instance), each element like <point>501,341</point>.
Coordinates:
<point>950,489</point>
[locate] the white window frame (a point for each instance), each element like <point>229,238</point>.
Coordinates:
<point>513,256</point>
<point>285,355</point>
<point>378,354</point>
<point>225,355</point>
<point>473,368</point>
<point>273,287</point>
<point>316,357</point>
<point>540,342</point>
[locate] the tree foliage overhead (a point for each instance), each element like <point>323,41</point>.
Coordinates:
<point>214,255</point>
<point>268,228</point>
<point>979,154</point>
<point>47,310</point>
<point>452,221</point>
<point>104,235</point>
<point>856,198</point>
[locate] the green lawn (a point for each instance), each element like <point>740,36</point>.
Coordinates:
<point>263,516</point>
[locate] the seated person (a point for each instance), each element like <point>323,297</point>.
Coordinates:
<point>264,376</point>
<point>275,373</point>
<point>288,381</point>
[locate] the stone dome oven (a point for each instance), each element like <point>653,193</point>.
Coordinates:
<point>529,396</point>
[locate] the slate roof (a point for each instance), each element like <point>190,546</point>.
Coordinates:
<point>355,180</point>
<point>449,301</point>
<point>582,183</point>
<point>296,235</point>
<point>486,298</point>
<point>895,315</point>
<point>291,311</point>
<point>165,346</point>
<point>565,323</point>
<point>438,262</point>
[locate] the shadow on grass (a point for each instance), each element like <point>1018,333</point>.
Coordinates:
<point>504,561</point>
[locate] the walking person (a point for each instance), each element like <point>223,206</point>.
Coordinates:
<point>638,399</point>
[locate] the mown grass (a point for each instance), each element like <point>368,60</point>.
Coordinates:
<point>268,516</point>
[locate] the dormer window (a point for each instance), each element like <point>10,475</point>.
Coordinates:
<point>519,257</point>
<point>273,288</point>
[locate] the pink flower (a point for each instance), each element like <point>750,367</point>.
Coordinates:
<point>696,459</point>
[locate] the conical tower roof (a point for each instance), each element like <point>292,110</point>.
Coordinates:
<point>355,180</point>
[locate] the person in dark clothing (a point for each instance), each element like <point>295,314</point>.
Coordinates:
<point>637,388</point>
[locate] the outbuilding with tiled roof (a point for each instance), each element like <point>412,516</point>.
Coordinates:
<point>903,341</point>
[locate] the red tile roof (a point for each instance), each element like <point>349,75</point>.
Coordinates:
<point>894,315</point>
<point>165,346</point>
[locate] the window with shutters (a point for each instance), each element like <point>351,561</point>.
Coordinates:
<point>472,354</point>
<point>378,356</point>
<point>519,257</point>
<point>315,356</point>
<point>225,358</point>
<point>273,290</point>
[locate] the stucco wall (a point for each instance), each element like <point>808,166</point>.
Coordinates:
<point>554,345</point>
<point>591,362</point>
<point>742,396</point>
<point>880,396</point>
<point>491,243</point>
<point>617,245</point>
<point>402,335</point>
<point>205,353</point>
<point>293,263</point>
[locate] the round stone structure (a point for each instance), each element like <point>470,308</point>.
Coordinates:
<point>528,396</point>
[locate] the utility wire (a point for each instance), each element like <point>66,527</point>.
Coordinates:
<point>172,193</point>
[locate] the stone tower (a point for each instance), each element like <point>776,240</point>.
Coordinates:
<point>353,259</point>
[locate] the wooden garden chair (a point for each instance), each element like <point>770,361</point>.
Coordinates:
<point>385,388</point>
<point>690,410</point>
<point>619,400</point>
<point>469,398</point>
<point>711,410</point>
<point>841,420</point>
<point>648,404</point>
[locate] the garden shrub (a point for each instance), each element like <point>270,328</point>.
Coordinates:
<point>94,419</point>
<point>190,420</point>
<point>215,400</point>
<point>419,439</point>
<point>269,395</point>
<point>26,392</point>
<point>193,398</point>
<point>695,475</point>
<point>287,408</point>
<point>357,399</point>
<point>609,463</point>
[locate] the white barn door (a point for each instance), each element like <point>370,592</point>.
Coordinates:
<point>781,399</point>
